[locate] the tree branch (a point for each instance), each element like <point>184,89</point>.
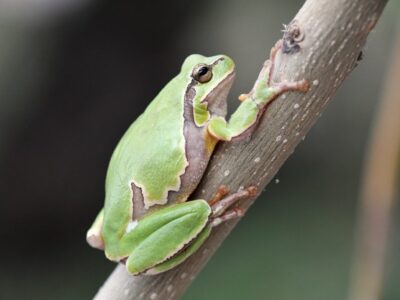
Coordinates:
<point>322,45</point>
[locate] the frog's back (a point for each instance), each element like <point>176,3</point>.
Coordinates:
<point>151,154</point>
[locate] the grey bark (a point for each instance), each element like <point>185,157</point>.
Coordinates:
<point>324,51</point>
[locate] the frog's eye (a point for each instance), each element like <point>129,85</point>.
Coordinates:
<point>202,73</point>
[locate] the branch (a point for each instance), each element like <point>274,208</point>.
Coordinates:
<point>322,45</point>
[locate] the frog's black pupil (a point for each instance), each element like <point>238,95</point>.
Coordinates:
<point>203,71</point>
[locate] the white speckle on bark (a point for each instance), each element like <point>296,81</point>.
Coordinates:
<point>337,67</point>
<point>153,296</point>
<point>284,141</point>
<point>278,138</point>
<point>257,159</point>
<point>335,84</point>
<point>297,133</point>
<point>183,275</point>
<point>315,82</point>
<point>277,180</point>
<point>226,173</point>
<point>296,106</point>
<point>170,288</point>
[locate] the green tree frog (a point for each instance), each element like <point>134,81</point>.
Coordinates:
<point>147,221</point>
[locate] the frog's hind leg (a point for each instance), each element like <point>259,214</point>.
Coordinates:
<point>166,237</point>
<point>182,255</point>
<point>219,212</point>
<point>220,208</point>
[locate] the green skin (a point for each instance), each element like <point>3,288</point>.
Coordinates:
<point>160,161</point>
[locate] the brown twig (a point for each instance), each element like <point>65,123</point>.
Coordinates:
<point>333,34</point>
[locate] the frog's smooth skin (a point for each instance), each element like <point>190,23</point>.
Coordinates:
<point>147,221</point>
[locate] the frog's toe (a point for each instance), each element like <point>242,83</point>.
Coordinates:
<point>220,207</point>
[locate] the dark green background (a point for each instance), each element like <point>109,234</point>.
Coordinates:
<point>72,79</point>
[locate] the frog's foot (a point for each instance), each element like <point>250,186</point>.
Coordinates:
<point>283,86</point>
<point>233,213</point>
<point>221,193</point>
<point>220,207</point>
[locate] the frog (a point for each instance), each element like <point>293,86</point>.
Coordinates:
<point>148,221</point>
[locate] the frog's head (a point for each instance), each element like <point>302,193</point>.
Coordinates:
<point>210,81</point>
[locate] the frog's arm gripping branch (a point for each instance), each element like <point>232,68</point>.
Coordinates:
<point>245,119</point>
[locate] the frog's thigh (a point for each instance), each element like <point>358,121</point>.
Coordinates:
<point>183,255</point>
<point>160,235</point>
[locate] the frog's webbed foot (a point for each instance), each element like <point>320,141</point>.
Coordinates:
<point>220,205</point>
<point>284,85</point>
<point>221,193</point>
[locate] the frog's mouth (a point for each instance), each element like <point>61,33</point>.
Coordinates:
<point>216,99</point>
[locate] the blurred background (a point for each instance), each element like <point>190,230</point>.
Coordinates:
<point>75,73</point>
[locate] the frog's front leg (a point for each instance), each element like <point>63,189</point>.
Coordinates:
<point>245,119</point>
